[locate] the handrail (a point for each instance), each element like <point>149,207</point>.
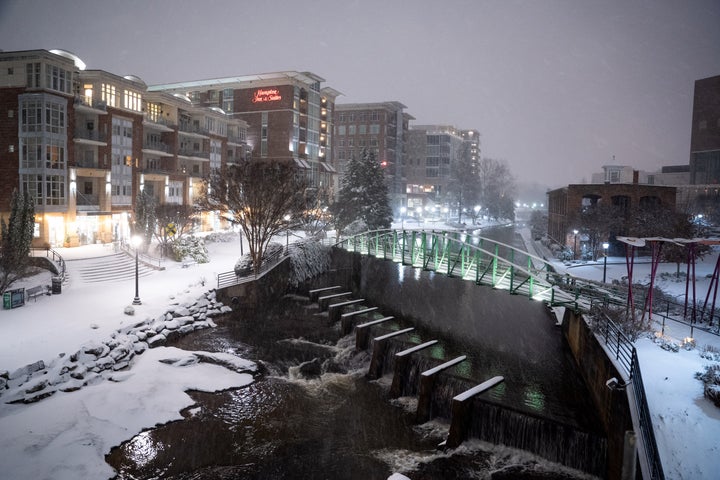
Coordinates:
<point>621,347</point>
<point>149,260</point>
<point>55,257</point>
<point>229,279</point>
<point>586,294</point>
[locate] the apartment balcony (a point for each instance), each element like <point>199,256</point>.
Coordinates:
<point>193,130</point>
<point>89,137</point>
<point>153,169</point>
<point>90,105</point>
<point>195,154</point>
<point>157,148</point>
<point>87,202</point>
<point>158,124</point>
<point>235,140</point>
<point>90,163</point>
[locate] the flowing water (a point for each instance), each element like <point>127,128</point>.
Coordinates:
<point>310,414</point>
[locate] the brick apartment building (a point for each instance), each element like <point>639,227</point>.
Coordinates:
<point>85,142</point>
<point>565,203</point>
<point>288,116</point>
<point>380,127</point>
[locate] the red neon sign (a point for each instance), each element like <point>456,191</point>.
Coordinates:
<point>266,95</point>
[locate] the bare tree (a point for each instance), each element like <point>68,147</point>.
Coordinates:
<point>258,195</point>
<point>463,183</point>
<point>497,188</point>
<point>599,222</point>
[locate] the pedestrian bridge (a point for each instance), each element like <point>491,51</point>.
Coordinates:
<point>484,261</point>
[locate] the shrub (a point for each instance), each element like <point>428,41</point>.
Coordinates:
<point>711,379</point>
<point>189,247</point>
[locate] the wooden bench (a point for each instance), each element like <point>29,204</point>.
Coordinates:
<point>188,261</point>
<point>36,291</point>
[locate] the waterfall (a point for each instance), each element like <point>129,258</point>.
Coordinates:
<point>549,439</point>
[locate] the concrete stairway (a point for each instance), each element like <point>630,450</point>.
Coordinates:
<point>109,268</point>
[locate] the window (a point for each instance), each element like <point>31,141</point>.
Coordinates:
<point>54,118</point>
<point>109,95</point>
<point>341,130</point>
<point>351,130</point>
<point>55,155</point>
<point>374,129</point>
<point>55,190</point>
<point>132,100</point>
<point>362,129</point>
<point>32,71</point>
<point>31,152</point>
<point>702,125</point>
<point>57,78</point>
<point>31,115</point>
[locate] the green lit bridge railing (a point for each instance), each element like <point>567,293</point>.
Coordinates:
<point>483,261</point>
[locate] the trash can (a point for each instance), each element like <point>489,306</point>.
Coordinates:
<point>56,285</point>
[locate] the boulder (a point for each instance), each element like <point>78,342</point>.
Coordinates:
<point>27,370</point>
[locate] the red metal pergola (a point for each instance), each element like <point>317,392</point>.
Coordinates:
<point>656,244</point>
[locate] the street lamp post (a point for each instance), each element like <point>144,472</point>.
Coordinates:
<point>137,241</point>
<point>287,234</point>
<point>605,249</point>
<point>575,232</point>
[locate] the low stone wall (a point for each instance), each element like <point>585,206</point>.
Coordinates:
<point>596,369</point>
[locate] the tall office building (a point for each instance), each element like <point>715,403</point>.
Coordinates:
<point>432,149</point>
<point>381,128</point>
<point>289,116</point>
<point>704,189</point>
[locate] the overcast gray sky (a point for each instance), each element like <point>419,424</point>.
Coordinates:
<point>556,87</point>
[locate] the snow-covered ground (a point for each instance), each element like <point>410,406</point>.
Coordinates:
<point>67,435</point>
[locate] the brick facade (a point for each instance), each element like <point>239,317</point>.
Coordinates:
<point>565,203</point>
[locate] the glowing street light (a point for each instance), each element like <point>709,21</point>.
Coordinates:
<point>287,233</point>
<point>606,245</point>
<point>136,242</point>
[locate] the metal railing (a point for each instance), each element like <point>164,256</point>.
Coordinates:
<point>229,279</point>
<point>623,351</point>
<point>149,260</point>
<point>504,266</point>
<point>54,256</point>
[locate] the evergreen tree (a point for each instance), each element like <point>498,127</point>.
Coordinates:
<point>363,195</point>
<point>16,239</point>
<point>145,218</point>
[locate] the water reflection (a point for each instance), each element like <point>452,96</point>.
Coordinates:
<point>336,424</point>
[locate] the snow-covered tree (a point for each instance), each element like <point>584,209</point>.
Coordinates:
<point>16,238</point>
<point>172,223</point>
<point>258,195</point>
<point>497,188</point>
<point>363,194</point>
<point>463,183</point>
<point>145,218</point>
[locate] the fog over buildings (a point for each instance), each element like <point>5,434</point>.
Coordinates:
<point>556,87</point>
